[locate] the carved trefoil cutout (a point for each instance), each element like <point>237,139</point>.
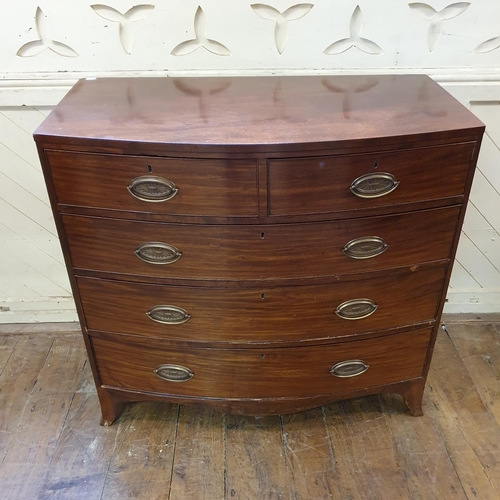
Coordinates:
<point>437,17</point>
<point>200,39</point>
<point>281,19</point>
<point>488,46</point>
<point>36,47</point>
<point>136,13</point>
<point>355,39</point>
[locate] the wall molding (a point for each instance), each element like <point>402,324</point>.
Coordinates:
<point>47,89</point>
<point>474,301</point>
<point>45,310</point>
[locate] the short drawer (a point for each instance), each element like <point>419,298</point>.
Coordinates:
<point>173,186</point>
<point>254,252</point>
<point>328,184</point>
<point>260,373</point>
<point>267,314</point>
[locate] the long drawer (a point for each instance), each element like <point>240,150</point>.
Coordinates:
<point>327,184</point>
<point>173,186</point>
<point>260,373</point>
<point>267,314</point>
<point>257,252</point>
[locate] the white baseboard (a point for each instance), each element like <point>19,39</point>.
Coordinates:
<point>479,301</point>
<point>46,310</point>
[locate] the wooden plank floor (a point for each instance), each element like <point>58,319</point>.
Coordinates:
<point>52,447</point>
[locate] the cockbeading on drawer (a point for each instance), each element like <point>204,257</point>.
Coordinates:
<point>180,186</point>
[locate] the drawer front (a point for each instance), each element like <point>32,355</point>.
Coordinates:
<point>264,314</point>
<point>156,185</point>
<point>323,184</point>
<point>260,252</point>
<point>261,373</point>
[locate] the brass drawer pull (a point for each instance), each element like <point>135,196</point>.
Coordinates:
<point>154,252</point>
<point>174,373</point>
<point>374,185</point>
<point>351,368</point>
<point>151,188</point>
<point>168,315</point>
<point>356,309</point>
<point>365,247</point>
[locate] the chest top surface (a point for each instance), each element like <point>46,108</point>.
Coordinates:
<point>227,112</point>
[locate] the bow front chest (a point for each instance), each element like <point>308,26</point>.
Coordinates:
<point>260,245</point>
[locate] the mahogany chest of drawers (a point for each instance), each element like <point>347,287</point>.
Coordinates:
<point>260,245</point>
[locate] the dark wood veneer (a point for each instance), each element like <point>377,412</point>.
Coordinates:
<point>306,114</point>
<point>261,373</point>
<point>262,213</point>
<point>274,251</point>
<point>206,187</point>
<point>267,314</point>
<point>321,184</point>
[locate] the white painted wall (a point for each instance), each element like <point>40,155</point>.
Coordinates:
<point>48,44</point>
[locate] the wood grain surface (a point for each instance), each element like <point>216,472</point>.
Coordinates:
<point>141,465</point>
<point>264,315</point>
<point>321,184</point>
<point>259,182</point>
<point>255,467</point>
<point>196,471</point>
<point>310,457</point>
<point>260,373</point>
<point>25,357</point>
<point>260,252</point>
<point>55,364</point>
<point>247,113</point>
<point>364,448</point>
<point>206,187</point>
<point>481,356</point>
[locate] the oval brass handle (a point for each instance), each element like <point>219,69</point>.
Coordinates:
<point>365,247</point>
<point>155,252</point>
<point>174,373</point>
<point>151,188</point>
<point>356,309</point>
<point>374,185</point>
<point>168,315</point>
<point>351,368</point>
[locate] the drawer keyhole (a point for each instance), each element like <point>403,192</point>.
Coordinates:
<point>262,236</point>
<point>375,165</point>
<point>150,168</point>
